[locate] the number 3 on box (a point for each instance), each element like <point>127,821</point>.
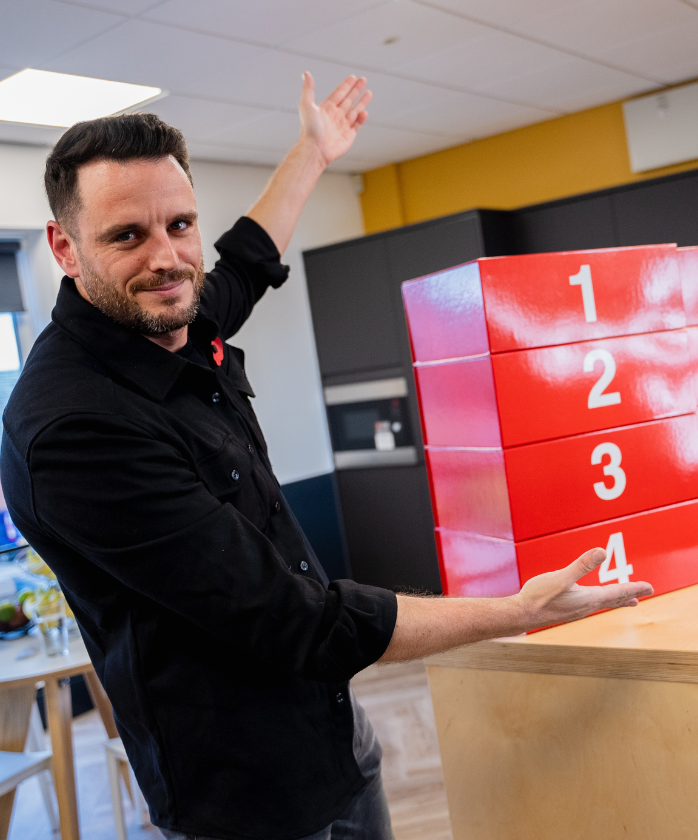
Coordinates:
<point>612,469</point>
<point>615,550</point>
<point>583,278</point>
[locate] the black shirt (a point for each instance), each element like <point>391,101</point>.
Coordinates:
<point>142,477</point>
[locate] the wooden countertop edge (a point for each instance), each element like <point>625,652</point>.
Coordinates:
<point>72,671</point>
<point>568,660</point>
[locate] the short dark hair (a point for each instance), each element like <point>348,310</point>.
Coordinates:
<point>123,137</point>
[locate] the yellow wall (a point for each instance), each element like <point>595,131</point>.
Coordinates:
<point>553,159</point>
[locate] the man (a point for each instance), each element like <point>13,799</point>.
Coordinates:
<point>134,464</point>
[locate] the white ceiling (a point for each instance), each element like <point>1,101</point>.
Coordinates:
<point>459,69</point>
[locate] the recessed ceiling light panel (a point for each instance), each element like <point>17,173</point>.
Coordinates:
<point>42,98</point>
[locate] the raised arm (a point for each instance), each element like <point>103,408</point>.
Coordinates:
<point>431,625</point>
<point>327,132</point>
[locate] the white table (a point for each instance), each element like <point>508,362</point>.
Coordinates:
<point>19,678</point>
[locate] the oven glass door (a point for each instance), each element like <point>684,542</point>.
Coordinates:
<point>375,424</point>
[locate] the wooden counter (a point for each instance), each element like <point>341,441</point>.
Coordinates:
<point>588,731</point>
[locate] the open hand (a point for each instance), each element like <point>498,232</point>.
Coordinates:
<point>556,597</point>
<point>332,125</point>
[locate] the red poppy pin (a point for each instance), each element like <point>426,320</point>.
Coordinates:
<point>217,345</point>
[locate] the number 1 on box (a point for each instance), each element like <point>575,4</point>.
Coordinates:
<point>583,278</point>
<point>615,550</point>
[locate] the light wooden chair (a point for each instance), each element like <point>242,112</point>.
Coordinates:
<point>15,767</point>
<point>116,754</point>
<point>36,742</point>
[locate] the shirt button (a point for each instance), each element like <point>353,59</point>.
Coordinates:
<point>277,506</point>
<point>215,397</point>
<point>235,475</point>
<point>340,697</point>
<point>250,447</point>
<point>304,566</point>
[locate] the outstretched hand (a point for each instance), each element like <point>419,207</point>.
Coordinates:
<point>556,597</point>
<point>332,125</point>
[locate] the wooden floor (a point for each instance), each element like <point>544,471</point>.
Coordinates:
<point>397,700</point>
<point>398,703</point>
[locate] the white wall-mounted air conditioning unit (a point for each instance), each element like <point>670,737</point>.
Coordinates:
<point>662,128</point>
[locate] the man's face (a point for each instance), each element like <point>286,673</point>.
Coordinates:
<point>137,245</point>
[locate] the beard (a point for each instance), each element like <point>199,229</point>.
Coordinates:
<point>125,309</point>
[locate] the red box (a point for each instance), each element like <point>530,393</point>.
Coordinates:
<point>469,491</point>
<point>574,388</point>
<point>446,314</point>
<point>660,546</point>
<point>692,334</point>
<point>553,392</point>
<point>474,566</point>
<point>541,488</point>
<point>538,300</point>
<point>458,403</point>
<point>688,269</point>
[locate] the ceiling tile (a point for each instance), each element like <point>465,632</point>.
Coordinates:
<point>34,135</point>
<point>503,13</point>
<point>151,54</point>
<point>571,87</point>
<point>264,21</point>
<point>271,79</point>
<point>392,95</point>
<point>274,130</point>
<point>201,118</point>
<point>123,7</point>
<point>591,28</point>
<point>669,55</point>
<point>348,163</point>
<point>392,144</point>
<point>487,61</point>
<point>261,157</point>
<point>230,154</point>
<point>419,29</point>
<point>35,31</point>
<point>466,117</point>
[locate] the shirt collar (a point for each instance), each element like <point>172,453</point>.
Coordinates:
<point>127,352</point>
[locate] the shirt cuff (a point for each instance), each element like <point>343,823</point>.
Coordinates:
<point>362,620</point>
<point>250,243</point>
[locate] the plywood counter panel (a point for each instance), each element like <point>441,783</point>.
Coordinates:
<point>587,731</point>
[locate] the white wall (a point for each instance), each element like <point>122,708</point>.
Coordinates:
<point>23,214</point>
<point>278,339</point>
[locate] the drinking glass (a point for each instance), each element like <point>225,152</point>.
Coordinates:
<point>51,619</point>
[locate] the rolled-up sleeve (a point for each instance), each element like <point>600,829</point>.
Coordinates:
<point>249,264</point>
<point>134,506</point>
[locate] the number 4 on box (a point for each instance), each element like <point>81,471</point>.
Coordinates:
<point>615,550</point>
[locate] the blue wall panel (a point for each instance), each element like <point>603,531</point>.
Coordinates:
<point>315,503</point>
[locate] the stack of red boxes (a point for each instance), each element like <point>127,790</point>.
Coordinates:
<point>559,414</point>
<point>688,265</point>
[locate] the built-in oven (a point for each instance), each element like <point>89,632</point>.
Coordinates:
<point>370,424</point>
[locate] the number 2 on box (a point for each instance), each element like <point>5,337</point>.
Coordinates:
<point>583,278</point>
<point>615,550</point>
<point>597,397</point>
